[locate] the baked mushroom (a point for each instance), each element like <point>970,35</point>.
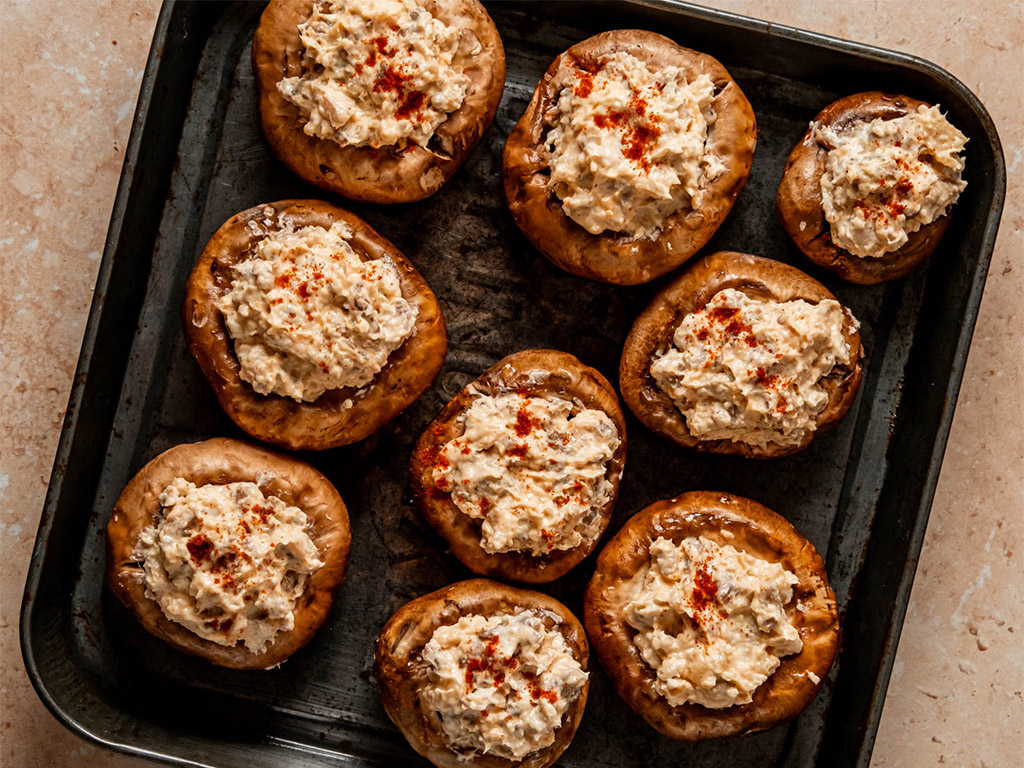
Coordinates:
<point>486,675</point>
<point>628,157</point>
<point>712,616</point>
<point>520,471</point>
<point>742,355</point>
<point>867,191</point>
<point>377,101</point>
<point>228,552</point>
<point>313,330</point>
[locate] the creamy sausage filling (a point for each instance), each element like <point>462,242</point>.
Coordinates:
<point>885,179</point>
<point>308,315</point>
<point>226,562</point>
<point>500,684</point>
<point>752,370</point>
<point>710,620</point>
<point>627,144</point>
<point>533,469</point>
<point>377,73</point>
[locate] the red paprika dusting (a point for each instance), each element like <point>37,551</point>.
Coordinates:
<point>904,187</point>
<point>390,79</point>
<point>485,506</point>
<point>721,314</point>
<point>284,279</point>
<point>199,547</point>
<point>577,486</point>
<point>410,106</point>
<point>584,84</point>
<point>303,290</point>
<point>524,422</point>
<point>465,450</point>
<point>443,462</point>
<point>702,334</point>
<point>518,450</point>
<point>381,43</point>
<point>751,341</point>
<point>782,404</point>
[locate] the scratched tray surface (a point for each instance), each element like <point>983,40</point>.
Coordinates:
<point>860,493</point>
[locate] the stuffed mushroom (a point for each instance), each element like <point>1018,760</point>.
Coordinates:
<point>228,552</point>
<point>629,156</point>
<point>313,330</point>
<point>712,616</point>
<point>521,469</point>
<point>381,100</point>
<point>868,190</point>
<point>742,355</point>
<point>485,675</point>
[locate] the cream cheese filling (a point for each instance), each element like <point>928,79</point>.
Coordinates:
<point>885,179</point>
<point>377,73</point>
<point>627,145</point>
<point>533,469</point>
<point>500,683</point>
<point>226,562</point>
<point>711,621</point>
<point>751,370</point>
<point>307,315</point>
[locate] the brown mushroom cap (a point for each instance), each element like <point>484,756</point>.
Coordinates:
<point>401,671</point>
<point>326,422</point>
<point>799,197</point>
<point>221,461</point>
<point>382,175</point>
<point>653,329</point>
<point>625,561</point>
<point>609,256</point>
<point>535,372</point>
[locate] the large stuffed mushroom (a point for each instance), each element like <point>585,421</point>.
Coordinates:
<point>284,413</point>
<point>702,535</point>
<point>708,364</point>
<point>485,675</point>
<point>264,594</point>
<point>895,186</point>
<point>629,156</point>
<point>555,428</point>
<point>386,110</point>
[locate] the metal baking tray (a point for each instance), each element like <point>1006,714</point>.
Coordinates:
<point>861,494</point>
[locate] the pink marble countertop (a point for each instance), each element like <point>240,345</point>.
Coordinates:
<point>68,95</point>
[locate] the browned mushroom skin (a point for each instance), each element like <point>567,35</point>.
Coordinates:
<point>755,529</point>
<point>798,201</point>
<point>221,461</point>
<point>327,422</point>
<point>610,257</point>
<point>401,671</point>
<point>383,175</point>
<point>652,334</point>
<point>535,372</point>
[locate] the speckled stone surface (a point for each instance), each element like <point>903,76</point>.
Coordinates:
<point>67,98</point>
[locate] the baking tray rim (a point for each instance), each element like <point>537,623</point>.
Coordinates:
<point>701,13</point>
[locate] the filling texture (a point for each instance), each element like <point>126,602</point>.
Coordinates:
<point>626,145</point>
<point>750,370</point>
<point>532,469</point>
<point>500,683</point>
<point>307,315</point>
<point>226,562</point>
<point>885,179</point>
<point>711,621</point>
<point>376,73</point>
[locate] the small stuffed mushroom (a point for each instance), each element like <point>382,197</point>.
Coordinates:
<point>313,330</point>
<point>867,191</point>
<point>629,156</point>
<point>228,552</point>
<point>742,355</point>
<point>520,471</point>
<point>379,101</point>
<point>485,675</point>
<point>712,616</point>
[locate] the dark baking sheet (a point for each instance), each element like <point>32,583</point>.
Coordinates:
<point>861,494</point>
